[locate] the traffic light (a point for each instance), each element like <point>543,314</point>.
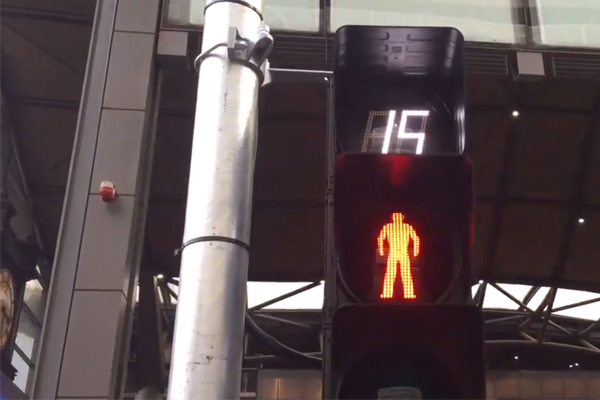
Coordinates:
<point>399,321</point>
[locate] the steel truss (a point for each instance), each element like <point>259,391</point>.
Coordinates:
<point>526,325</point>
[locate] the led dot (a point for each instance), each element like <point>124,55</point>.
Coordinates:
<point>581,220</point>
<point>160,276</point>
<point>516,357</point>
<point>481,281</point>
<point>571,366</point>
<point>515,113</point>
<point>577,364</point>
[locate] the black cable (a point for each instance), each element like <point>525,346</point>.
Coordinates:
<point>279,348</point>
<point>345,286</point>
<point>457,271</point>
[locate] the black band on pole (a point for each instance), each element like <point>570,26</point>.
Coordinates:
<point>212,239</point>
<point>241,2</point>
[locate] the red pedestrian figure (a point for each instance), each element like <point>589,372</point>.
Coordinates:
<point>398,235</point>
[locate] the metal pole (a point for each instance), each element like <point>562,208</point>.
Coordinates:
<point>209,325</point>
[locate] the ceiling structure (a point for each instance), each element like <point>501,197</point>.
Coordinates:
<point>516,323</point>
<point>537,175</point>
<point>44,53</point>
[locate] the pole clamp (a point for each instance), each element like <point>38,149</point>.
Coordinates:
<point>249,52</point>
<point>212,238</point>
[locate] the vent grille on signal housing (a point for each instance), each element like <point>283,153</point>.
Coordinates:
<point>486,61</point>
<point>295,52</point>
<point>316,53</point>
<point>576,66</point>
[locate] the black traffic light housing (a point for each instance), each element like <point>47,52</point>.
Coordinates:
<point>435,348</point>
<point>398,312</point>
<point>380,68</point>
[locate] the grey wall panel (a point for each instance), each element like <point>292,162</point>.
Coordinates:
<point>102,263</point>
<point>576,388</point>
<point>118,150</point>
<point>137,15</point>
<point>89,356</point>
<point>506,387</point>
<point>288,384</point>
<point>545,385</point>
<point>85,344</point>
<point>128,78</point>
<point>530,388</point>
<point>553,387</point>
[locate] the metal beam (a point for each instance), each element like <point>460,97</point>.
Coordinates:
<point>42,49</point>
<point>538,311</point>
<point>529,296</point>
<point>589,329</point>
<point>480,294</point>
<point>47,103</point>
<point>581,303</point>
<point>283,321</point>
<point>505,319</point>
<point>547,314</point>
<point>513,298</point>
<point>46,15</point>
<point>150,365</point>
<point>284,296</point>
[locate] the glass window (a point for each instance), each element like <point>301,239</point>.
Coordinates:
<point>566,297</point>
<point>478,20</point>
<point>177,13</point>
<point>23,372</point>
<point>35,298</point>
<point>296,15</point>
<point>566,23</point>
<point>537,298</point>
<point>28,334</point>
<point>496,299</point>
<point>283,15</point>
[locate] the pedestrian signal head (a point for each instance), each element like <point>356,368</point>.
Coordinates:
<point>402,226</point>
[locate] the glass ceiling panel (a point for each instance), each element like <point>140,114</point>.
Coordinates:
<point>565,297</point>
<point>496,299</point>
<point>478,20</point>
<point>538,297</point>
<point>567,23</point>
<point>259,292</point>
<point>280,15</point>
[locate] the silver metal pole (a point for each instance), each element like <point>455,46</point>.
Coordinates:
<point>209,325</point>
